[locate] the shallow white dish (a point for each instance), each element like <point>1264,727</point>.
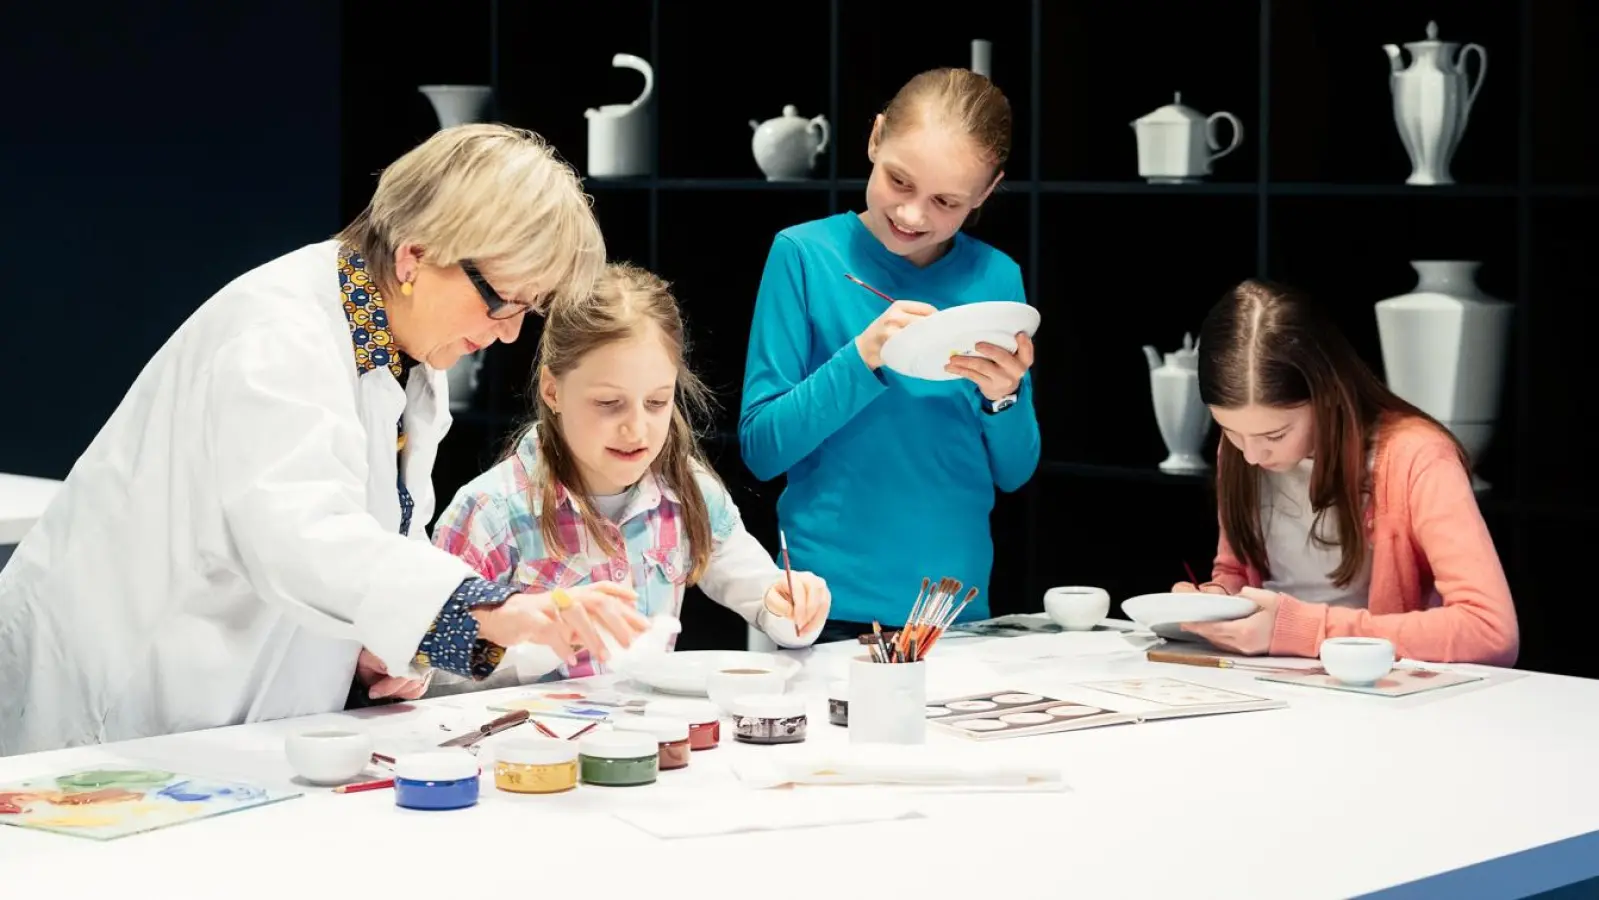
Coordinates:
<point>1164,613</point>
<point>923,348</point>
<point>684,672</point>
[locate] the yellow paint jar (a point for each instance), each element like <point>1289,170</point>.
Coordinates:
<point>535,766</point>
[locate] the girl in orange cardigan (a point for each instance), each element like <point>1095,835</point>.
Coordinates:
<point>1344,510</point>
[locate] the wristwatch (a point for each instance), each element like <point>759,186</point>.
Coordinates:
<point>997,406</point>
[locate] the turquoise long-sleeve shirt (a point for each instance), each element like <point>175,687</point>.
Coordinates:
<point>890,479</point>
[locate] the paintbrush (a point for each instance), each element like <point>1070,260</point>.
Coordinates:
<point>582,731</point>
<point>543,729</point>
<point>1211,662</point>
<point>869,287</point>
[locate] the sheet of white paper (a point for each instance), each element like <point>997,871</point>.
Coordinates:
<point>715,814</point>
<point>1055,646</point>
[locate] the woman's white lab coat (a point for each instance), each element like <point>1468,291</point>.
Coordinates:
<point>230,539</point>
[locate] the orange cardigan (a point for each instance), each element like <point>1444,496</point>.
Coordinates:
<point>1425,531</point>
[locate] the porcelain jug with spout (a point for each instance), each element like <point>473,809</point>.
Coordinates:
<point>619,133</point>
<point>1432,101</point>
<point>786,147</point>
<point>1180,414</point>
<point>1177,144</point>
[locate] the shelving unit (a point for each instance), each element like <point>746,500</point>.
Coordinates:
<point>1314,196</point>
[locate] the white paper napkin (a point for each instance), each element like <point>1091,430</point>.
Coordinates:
<point>920,767</point>
<point>738,813</point>
<point>1066,644</point>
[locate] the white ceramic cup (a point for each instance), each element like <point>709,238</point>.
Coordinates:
<point>328,755</point>
<point>727,685</point>
<point>1357,660</point>
<point>1076,608</point>
<point>887,702</point>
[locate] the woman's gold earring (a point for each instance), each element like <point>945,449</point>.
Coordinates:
<point>405,288</point>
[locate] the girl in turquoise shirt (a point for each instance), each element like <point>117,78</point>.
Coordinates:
<point>891,479</point>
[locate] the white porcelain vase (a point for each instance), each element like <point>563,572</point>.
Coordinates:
<point>458,104</point>
<point>619,133</point>
<point>1432,102</point>
<point>1443,348</point>
<point>1180,414</point>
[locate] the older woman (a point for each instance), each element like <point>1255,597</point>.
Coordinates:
<point>250,523</point>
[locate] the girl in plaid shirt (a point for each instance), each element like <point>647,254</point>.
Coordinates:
<point>607,497</point>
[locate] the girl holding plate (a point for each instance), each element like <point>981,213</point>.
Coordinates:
<point>891,478</point>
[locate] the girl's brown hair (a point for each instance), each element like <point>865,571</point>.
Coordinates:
<point>961,98</point>
<point>1267,344</point>
<point>626,299</point>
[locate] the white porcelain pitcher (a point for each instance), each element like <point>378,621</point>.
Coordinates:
<point>619,133</point>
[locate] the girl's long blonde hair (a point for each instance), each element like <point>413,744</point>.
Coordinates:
<point>625,300</point>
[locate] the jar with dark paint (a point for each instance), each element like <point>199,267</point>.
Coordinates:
<point>838,702</point>
<point>769,719</point>
<point>618,759</point>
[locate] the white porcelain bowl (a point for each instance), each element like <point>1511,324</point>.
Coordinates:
<point>328,755</point>
<point>1357,660</point>
<point>1077,608</point>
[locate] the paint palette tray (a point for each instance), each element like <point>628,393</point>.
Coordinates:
<point>1013,713</point>
<point>108,803</point>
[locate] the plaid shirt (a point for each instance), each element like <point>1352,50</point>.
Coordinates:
<point>493,524</point>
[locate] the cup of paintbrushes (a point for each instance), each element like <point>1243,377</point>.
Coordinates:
<point>887,703</point>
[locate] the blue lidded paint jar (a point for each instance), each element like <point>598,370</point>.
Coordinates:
<point>439,779</point>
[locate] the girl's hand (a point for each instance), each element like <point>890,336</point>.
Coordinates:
<point>566,620</point>
<point>998,372</point>
<point>899,314</point>
<point>1188,587</point>
<point>807,611</point>
<point>1251,635</point>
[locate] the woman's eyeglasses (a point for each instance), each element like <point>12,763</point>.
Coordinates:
<point>499,308</point>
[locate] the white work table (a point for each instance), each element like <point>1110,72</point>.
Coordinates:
<point>1473,791</point>
<point>23,499</point>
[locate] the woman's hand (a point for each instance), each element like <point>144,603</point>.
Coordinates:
<point>1251,635</point>
<point>566,620</point>
<point>899,314</point>
<point>809,609</point>
<point>380,685</point>
<point>997,372</point>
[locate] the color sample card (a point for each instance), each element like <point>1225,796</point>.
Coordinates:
<point>1170,692</point>
<point>104,804</point>
<point>574,704</point>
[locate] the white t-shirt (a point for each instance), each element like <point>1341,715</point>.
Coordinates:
<point>1300,566</point>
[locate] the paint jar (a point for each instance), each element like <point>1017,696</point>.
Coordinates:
<point>704,720</point>
<point>888,702</point>
<point>619,758</point>
<point>535,766</point>
<point>838,702</point>
<point>769,719</point>
<point>671,735</point>
<point>437,779</point>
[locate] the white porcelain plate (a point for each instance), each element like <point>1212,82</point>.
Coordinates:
<point>1163,613</point>
<point>923,348</point>
<point>685,672</point>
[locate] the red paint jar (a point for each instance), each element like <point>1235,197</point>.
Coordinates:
<point>703,718</point>
<point>670,734</point>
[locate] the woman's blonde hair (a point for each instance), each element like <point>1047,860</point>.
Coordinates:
<point>625,300</point>
<point>497,195</point>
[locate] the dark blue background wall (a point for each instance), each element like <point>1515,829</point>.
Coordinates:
<point>149,152</point>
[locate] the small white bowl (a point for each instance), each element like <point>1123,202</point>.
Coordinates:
<point>1357,660</point>
<point>328,755</point>
<point>1077,608</point>
<point>726,686</point>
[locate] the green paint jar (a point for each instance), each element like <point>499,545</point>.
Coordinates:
<point>618,759</point>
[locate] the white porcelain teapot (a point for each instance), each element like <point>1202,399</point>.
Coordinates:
<point>1176,144</point>
<point>786,147</point>
<point>1180,414</point>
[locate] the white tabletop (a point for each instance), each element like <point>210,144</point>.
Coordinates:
<point>1338,795</point>
<point>23,499</point>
